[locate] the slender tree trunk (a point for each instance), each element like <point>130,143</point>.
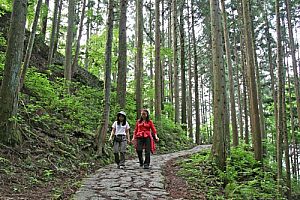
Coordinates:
<point>151,55</point>
<point>139,63</point>
<point>30,43</point>
<point>101,131</point>
<point>68,60</point>
<point>293,52</point>
<point>53,32</point>
<point>175,60</point>
<point>171,79</point>
<point>86,59</point>
<point>292,118</point>
<point>57,28</point>
<point>280,97</point>
<point>44,20</point>
<point>237,62</point>
<point>11,74</point>
<point>162,67</point>
<point>230,74</point>
<point>122,65</point>
<point>245,99</point>
<point>182,63</point>
<point>254,112</point>
<point>75,61</point>
<point>157,63</point>
<point>197,134</point>
<point>190,95</point>
<point>219,100</point>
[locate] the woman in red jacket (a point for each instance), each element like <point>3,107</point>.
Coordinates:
<point>142,133</point>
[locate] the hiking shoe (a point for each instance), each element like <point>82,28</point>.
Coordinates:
<point>146,166</point>
<point>122,167</point>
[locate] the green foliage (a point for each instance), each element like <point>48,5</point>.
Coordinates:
<point>172,136</point>
<point>243,178</point>
<point>5,5</point>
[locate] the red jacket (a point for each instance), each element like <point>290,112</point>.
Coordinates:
<point>144,129</point>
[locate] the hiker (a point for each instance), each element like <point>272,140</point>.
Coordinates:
<point>143,138</point>
<point>120,136</point>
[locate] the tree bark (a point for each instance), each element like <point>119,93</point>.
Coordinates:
<point>101,131</point>
<point>44,20</point>
<point>280,97</point>
<point>175,60</point>
<point>182,64</point>
<point>219,100</point>
<point>30,43</point>
<point>190,95</point>
<point>197,134</point>
<point>68,59</point>
<point>139,56</point>
<point>254,111</point>
<point>157,63</point>
<point>11,75</point>
<point>75,61</point>
<point>230,74</point>
<point>53,32</point>
<point>122,65</point>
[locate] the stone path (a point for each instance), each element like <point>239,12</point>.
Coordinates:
<point>133,182</point>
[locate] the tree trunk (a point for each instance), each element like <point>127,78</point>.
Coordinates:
<point>245,99</point>
<point>101,131</point>
<point>219,100</point>
<point>44,20</point>
<point>171,79</point>
<point>280,98</point>
<point>230,74</point>
<point>162,66</point>
<point>53,32</point>
<point>157,63</point>
<point>30,43</point>
<point>190,95</point>
<point>182,64</point>
<point>254,112</point>
<point>122,65</point>
<point>11,74</point>
<point>197,134</point>
<point>139,57</point>
<point>75,61</point>
<point>68,59</point>
<point>175,60</point>
<point>57,28</point>
<point>86,59</point>
<point>294,61</point>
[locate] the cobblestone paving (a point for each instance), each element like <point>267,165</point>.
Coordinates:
<point>133,182</point>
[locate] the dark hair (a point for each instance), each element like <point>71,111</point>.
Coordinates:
<point>118,120</point>
<point>147,118</point>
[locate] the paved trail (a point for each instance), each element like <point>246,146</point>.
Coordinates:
<point>132,182</point>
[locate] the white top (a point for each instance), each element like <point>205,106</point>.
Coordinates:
<point>120,129</point>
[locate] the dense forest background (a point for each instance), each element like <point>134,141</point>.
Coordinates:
<point>215,72</point>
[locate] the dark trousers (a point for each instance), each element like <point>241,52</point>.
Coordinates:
<point>144,142</point>
<point>119,161</point>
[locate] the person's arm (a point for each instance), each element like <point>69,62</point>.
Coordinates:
<point>154,130</point>
<point>127,132</point>
<point>113,131</point>
<point>135,131</point>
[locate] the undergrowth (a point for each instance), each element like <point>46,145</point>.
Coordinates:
<point>243,178</point>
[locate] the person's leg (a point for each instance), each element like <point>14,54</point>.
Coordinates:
<point>139,150</point>
<point>116,153</point>
<point>147,152</point>
<point>123,151</point>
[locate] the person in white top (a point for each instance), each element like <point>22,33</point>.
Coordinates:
<point>120,136</point>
